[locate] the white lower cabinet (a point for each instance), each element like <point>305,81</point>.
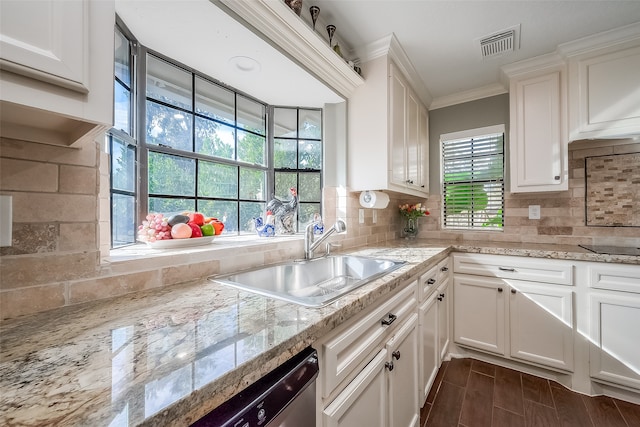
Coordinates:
<point>364,401</point>
<point>614,328</point>
<point>402,367</point>
<point>522,320</point>
<point>433,319</point>
<point>369,366</point>
<point>615,325</point>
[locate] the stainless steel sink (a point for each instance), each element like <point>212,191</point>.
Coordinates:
<point>312,283</point>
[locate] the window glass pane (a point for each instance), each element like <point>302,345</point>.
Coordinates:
<point>251,115</point>
<point>216,180</point>
<point>310,153</point>
<point>168,83</point>
<point>122,59</point>
<point>215,139</point>
<point>170,207</point>
<point>227,212</point>
<point>310,124</point>
<point>252,184</point>
<point>310,190</point>
<point>285,122</point>
<point>123,229</point>
<point>285,181</point>
<point>214,101</point>
<point>122,108</point>
<point>284,154</point>
<point>306,213</point>
<point>251,148</point>
<point>167,126</point>
<point>171,175</point>
<point>123,166</point>
<point>249,211</point>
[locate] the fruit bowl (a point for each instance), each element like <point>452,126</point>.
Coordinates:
<point>180,243</point>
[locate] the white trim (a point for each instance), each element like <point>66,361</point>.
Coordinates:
<point>472,133</point>
<point>600,40</point>
<point>468,96</point>
<point>295,38</point>
<point>390,46</point>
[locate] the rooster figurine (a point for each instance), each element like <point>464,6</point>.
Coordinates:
<point>265,229</point>
<point>285,213</point>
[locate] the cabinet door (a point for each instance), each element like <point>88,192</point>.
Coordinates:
<point>397,127</point>
<point>423,150</point>
<point>412,142</point>
<point>444,300</point>
<point>538,144</point>
<point>615,334</point>
<point>364,401</point>
<point>402,355</point>
<point>601,87</point>
<point>541,324</point>
<point>479,305</point>
<point>428,345</point>
<point>47,41</point>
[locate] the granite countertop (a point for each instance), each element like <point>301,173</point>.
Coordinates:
<point>169,356</point>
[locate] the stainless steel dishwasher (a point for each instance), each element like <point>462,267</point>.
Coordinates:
<point>285,397</point>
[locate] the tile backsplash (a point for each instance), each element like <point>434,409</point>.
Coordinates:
<point>613,190</point>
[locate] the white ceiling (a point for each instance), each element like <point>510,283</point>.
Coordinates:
<point>439,37</point>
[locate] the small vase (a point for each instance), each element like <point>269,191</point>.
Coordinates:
<point>410,228</point>
<point>295,5</point>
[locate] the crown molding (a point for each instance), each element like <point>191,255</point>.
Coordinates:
<point>588,44</point>
<point>280,26</point>
<point>469,95</point>
<point>390,46</point>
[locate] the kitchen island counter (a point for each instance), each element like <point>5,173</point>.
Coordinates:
<point>168,356</point>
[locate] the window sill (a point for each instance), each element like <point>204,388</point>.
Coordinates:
<point>142,257</point>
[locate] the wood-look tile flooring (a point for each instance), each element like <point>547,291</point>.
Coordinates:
<point>471,393</point>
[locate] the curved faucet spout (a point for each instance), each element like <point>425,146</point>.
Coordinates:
<point>310,244</point>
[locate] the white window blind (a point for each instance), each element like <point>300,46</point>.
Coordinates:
<point>473,181</point>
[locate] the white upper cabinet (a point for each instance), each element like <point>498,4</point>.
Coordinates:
<point>388,132</point>
<point>56,57</point>
<point>538,139</point>
<point>604,84</point>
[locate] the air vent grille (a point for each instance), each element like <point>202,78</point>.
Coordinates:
<point>498,44</point>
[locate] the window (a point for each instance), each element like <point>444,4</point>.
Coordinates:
<point>473,179</point>
<point>121,146</point>
<point>186,142</point>
<point>297,159</point>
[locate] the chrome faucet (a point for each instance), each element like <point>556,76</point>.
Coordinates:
<point>310,244</point>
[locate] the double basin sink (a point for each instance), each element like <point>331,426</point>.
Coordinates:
<point>311,283</point>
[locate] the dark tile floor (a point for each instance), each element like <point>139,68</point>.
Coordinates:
<point>471,393</point>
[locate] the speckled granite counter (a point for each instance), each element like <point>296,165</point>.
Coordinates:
<point>167,357</point>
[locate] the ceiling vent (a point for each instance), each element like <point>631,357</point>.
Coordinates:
<point>500,43</point>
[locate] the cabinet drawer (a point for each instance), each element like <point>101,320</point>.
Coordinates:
<point>434,277</point>
<point>616,277</point>
<point>509,267</point>
<point>352,347</point>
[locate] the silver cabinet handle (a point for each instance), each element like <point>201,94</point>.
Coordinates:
<point>507,269</point>
<point>513,291</point>
<point>396,355</point>
<point>389,320</point>
<point>388,365</point>
<point>431,281</point>
<point>557,177</point>
<point>444,269</point>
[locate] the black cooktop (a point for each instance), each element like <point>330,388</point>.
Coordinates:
<point>612,250</point>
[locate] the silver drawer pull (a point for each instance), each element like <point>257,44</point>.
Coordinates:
<point>389,320</point>
<point>444,269</point>
<point>388,365</point>
<point>396,355</point>
<point>431,281</point>
<point>507,269</point>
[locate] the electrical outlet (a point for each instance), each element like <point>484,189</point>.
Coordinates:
<point>361,216</point>
<point>534,211</point>
<point>375,216</point>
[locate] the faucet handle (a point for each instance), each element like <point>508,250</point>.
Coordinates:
<point>332,245</point>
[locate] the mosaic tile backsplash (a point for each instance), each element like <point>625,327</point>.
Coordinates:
<point>613,190</point>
